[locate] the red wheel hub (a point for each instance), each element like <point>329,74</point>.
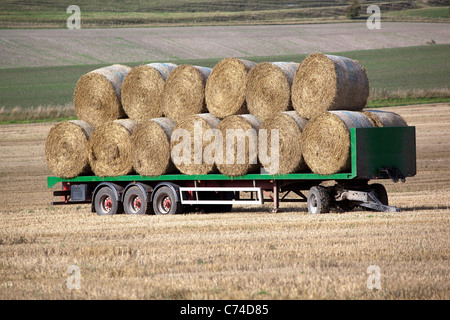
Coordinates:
<point>107,204</point>
<point>137,204</point>
<point>167,204</point>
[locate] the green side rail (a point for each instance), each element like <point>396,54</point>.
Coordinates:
<point>372,149</point>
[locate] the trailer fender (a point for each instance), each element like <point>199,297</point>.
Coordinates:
<point>144,188</point>
<point>117,189</point>
<point>175,188</point>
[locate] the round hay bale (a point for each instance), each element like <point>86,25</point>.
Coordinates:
<point>225,88</point>
<point>325,140</point>
<point>326,82</point>
<point>150,152</point>
<point>290,126</point>
<point>97,96</point>
<point>110,148</point>
<point>268,88</point>
<point>385,118</point>
<point>142,89</point>
<point>239,145</point>
<point>184,92</point>
<point>67,148</point>
<point>188,146</point>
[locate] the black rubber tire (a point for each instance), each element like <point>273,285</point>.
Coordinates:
<point>106,202</point>
<point>136,202</point>
<point>165,202</point>
<point>380,192</point>
<point>319,200</point>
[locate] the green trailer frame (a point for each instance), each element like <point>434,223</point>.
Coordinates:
<point>376,153</point>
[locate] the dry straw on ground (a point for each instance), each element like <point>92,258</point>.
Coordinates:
<point>188,144</point>
<point>325,140</point>
<point>326,82</point>
<point>150,153</point>
<point>225,88</point>
<point>289,126</point>
<point>269,88</point>
<point>67,148</point>
<point>110,148</point>
<point>385,118</point>
<point>97,96</point>
<point>239,143</point>
<point>184,92</point>
<point>142,89</point>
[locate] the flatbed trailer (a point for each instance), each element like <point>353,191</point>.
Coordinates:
<point>376,154</point>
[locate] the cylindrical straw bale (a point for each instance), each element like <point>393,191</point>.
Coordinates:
<point>150,152</point>
<point>97,96</point>
<point>67,148</point>
<point>142,89</point>
<point>110,148</point>
<point>225,88</point>
<point>385,118</point>
<point>190,143</point>
<point>268,88</point>
<point>184,92</point>
<point>326,82</point>
<point>239,145</point>
<point>325,140</point>
<point>288,125</point>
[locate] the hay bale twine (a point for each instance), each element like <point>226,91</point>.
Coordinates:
<point>110,148</point>
<point>326,82</point>
<point>225,88</point>
<point>385,118</point>
<point>150,142</point>
<point>325,140</point>
<point>97,96</point>
<point>239,145</point>
<point>188,145</point>
<point>268,88</point>
<point>142,89</point>
<point>67,148</point>
<point>290,126</point>
<point>184,92</point>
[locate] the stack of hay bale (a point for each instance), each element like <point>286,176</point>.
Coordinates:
<point>130,119</point>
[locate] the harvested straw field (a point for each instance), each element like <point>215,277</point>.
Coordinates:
<point>248,253</point>
<point>326,82</point>
<point>97,96</point>
<point>269,88</point>
<point>59,47</point>
<point>225,88</point>
<point>142,89</point>
<point>110,148</point>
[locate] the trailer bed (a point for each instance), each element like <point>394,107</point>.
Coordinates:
<point>376,153</point>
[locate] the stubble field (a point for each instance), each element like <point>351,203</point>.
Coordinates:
<point>249,253</point>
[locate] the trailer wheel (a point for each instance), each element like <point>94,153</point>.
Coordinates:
<point>165,202</point>
<point>319,200</point>
<point>106,202</point>
<point>381,193</point>
<point>136,201</point>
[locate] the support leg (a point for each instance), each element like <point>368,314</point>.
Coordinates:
<point>276,197</point>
